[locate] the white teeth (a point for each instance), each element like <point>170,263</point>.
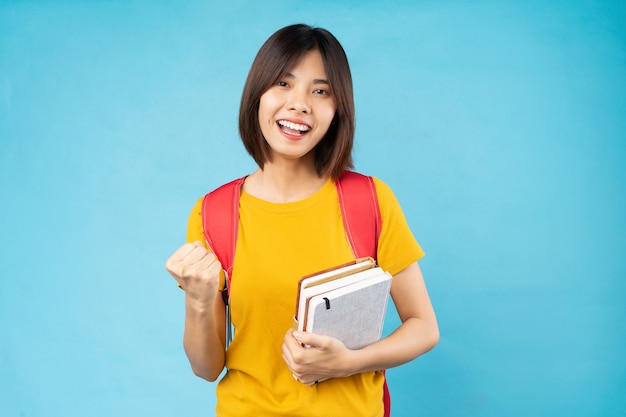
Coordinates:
<point>294,126</point>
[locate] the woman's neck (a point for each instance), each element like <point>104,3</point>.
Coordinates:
<point>284,183</point>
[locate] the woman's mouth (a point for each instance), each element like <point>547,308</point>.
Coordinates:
<point>293,129</point>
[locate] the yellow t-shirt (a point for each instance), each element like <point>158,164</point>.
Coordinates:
<point>277,244</point>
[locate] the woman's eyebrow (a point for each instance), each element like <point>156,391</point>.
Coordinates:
<point>316,81</point>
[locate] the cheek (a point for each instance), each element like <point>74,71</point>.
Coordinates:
<point>329,115</point>
<point>269,103</point>
<point>331,110</point>
<point>263,108</point>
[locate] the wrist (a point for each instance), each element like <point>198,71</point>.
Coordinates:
<point>198,305</point>
<point>352,362</point>
<point>362,360</point>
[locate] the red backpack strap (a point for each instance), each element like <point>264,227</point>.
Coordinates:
<point>362,221</point>
<point>386,399</point>
<point>360,213</point>
<point>220,221</point>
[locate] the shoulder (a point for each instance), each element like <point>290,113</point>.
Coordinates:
<point>384,193</point>
<point>197,207</point>
<point>382,188</point>
<point>194,223</point>
<point>360,180</point>
<point>218,199</point>
<point>388,203</point>
<point>359,183</point>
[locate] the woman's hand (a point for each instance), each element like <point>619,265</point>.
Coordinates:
<point>323,357</point>
<point>197,271</point>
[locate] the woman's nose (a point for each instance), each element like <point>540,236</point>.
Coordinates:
<point>299,101</point>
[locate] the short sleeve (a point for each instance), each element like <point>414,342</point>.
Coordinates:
<point>397,247</point>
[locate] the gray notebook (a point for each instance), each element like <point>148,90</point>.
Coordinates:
<point>354,313</point>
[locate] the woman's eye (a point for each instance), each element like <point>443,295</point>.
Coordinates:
<point>320,91</point>
<point>282,84</point>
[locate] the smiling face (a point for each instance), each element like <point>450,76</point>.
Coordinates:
<point>296,112</point>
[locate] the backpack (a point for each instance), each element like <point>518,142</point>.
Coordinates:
<point>359,209</point>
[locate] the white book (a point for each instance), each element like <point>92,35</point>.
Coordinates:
<point>306,293</point>
<point>348,302</point>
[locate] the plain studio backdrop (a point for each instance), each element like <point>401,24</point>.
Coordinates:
<point>501,127</point>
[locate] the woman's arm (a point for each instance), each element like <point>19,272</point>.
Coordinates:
<point>329,358</point>
<point>198,273</point>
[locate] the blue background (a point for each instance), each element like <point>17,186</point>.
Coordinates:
<point>501,126</point>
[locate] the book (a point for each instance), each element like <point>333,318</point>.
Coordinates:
<point>348,302</point>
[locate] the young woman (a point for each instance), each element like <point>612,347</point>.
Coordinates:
<point>297,122</point>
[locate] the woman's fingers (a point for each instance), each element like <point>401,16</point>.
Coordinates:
<point>196,269</point>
